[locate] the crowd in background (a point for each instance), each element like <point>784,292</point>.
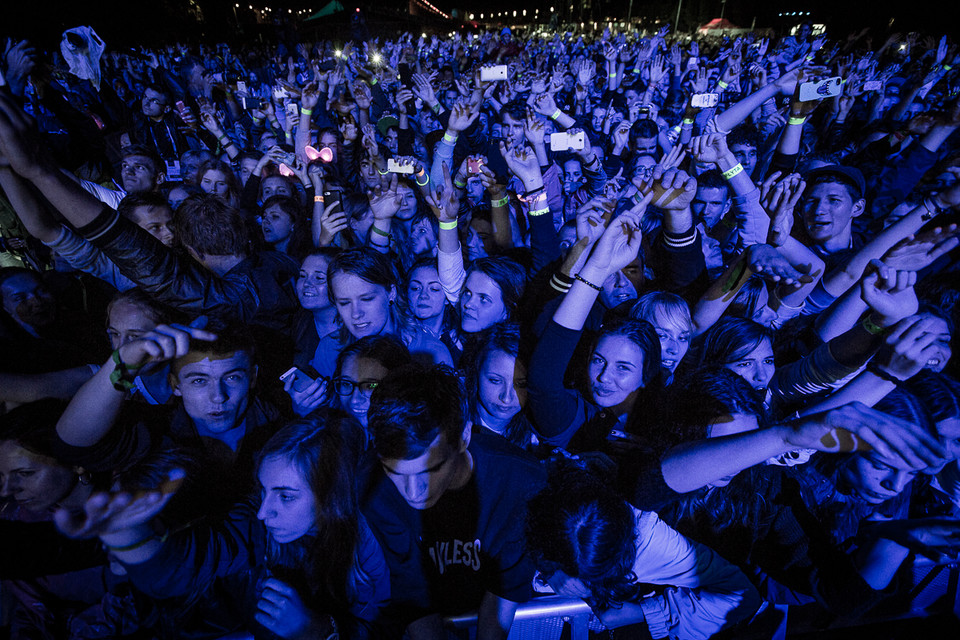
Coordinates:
<point>319,339</point>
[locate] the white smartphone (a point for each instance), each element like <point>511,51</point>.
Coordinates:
<point>292,109</point>
<point>819,90</point>
<point>241,86</point>
<point>300,380</point>
<point>563,141</point>
<point>492,74</point>
<point>395,167</point>
<point>704,100</point>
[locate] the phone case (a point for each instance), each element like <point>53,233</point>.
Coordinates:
<point>820,90</point>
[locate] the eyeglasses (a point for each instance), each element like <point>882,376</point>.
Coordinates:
<point>345,387</point>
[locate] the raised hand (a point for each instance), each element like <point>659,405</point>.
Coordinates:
<point>109,514</point>
<point>522,161</point>
<point>779,198</point>
<point>461,117</point>
<point>384,200</point>
<point>674,190</point>
<point>534,128</point>
<point>889,292</point>
<point>935,538</point>
<point>331,223</point>
<point>772,265</point>
<point>674,158</point>
<point>309,398</point>
<point>910,346</point>
<point>310,96</point>
<point>165,342</point>
<point>709,148</point>
<point>443,200</point>
<point>619,244</point>
<point>856,427</point>
<point>20,146</point>
<point>919,251</point>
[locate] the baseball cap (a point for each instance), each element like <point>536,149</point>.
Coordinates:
<point>844,174</point>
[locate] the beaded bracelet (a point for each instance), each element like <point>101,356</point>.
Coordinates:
<point>448,225</point>
<point>587,282</point>
<point>733,171</point>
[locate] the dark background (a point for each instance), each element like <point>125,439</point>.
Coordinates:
<point>130,22</point>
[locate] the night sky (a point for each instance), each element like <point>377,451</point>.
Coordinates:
<point>134,21</point>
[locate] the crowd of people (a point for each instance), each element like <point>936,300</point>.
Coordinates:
<point>308,340</point>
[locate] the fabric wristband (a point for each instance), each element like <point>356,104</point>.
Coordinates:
<point>587,282</point>
<point>947,67</point>
<point>794,120</point>
<point>722,84</point>
<point>451,139</point>
<point>318,199</point>
<point>306,112</point>
<point>538,212</point>
<point>435,108</point>
<point>459,184</point>
<point>870,326</point>
<point>379,232</point>
<point>687,121</point>
<point>502,202</point>
<point>733,171</point>
<point>613,75</point>
<point>448,225</point>
<point>122,376</point>
<point>373,81</point>
<point>556,114</point>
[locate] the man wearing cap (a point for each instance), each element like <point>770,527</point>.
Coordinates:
<point>834,197</point>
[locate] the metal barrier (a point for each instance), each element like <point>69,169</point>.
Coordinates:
<point>542,618</point>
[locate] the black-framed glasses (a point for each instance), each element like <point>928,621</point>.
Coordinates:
<point>346,387</point>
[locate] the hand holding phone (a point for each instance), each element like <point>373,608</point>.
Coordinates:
<point>300,380</point>
<point>494,73</point>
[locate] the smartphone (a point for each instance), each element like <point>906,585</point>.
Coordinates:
<point>293,109</point>
<point>331,197</point>
<point>492,74</point>
<point>300,380</point>
<point>819,90</point>
<point>248,102</point>
<point>180,106</point>
<point>873,85</point>
<point>704,100</point>
<point>241,86</point>
<point>395,167</point>
<point>406,75</point>
<point>563,141</point>
<point>644,111</point>
<point>473,165</point>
